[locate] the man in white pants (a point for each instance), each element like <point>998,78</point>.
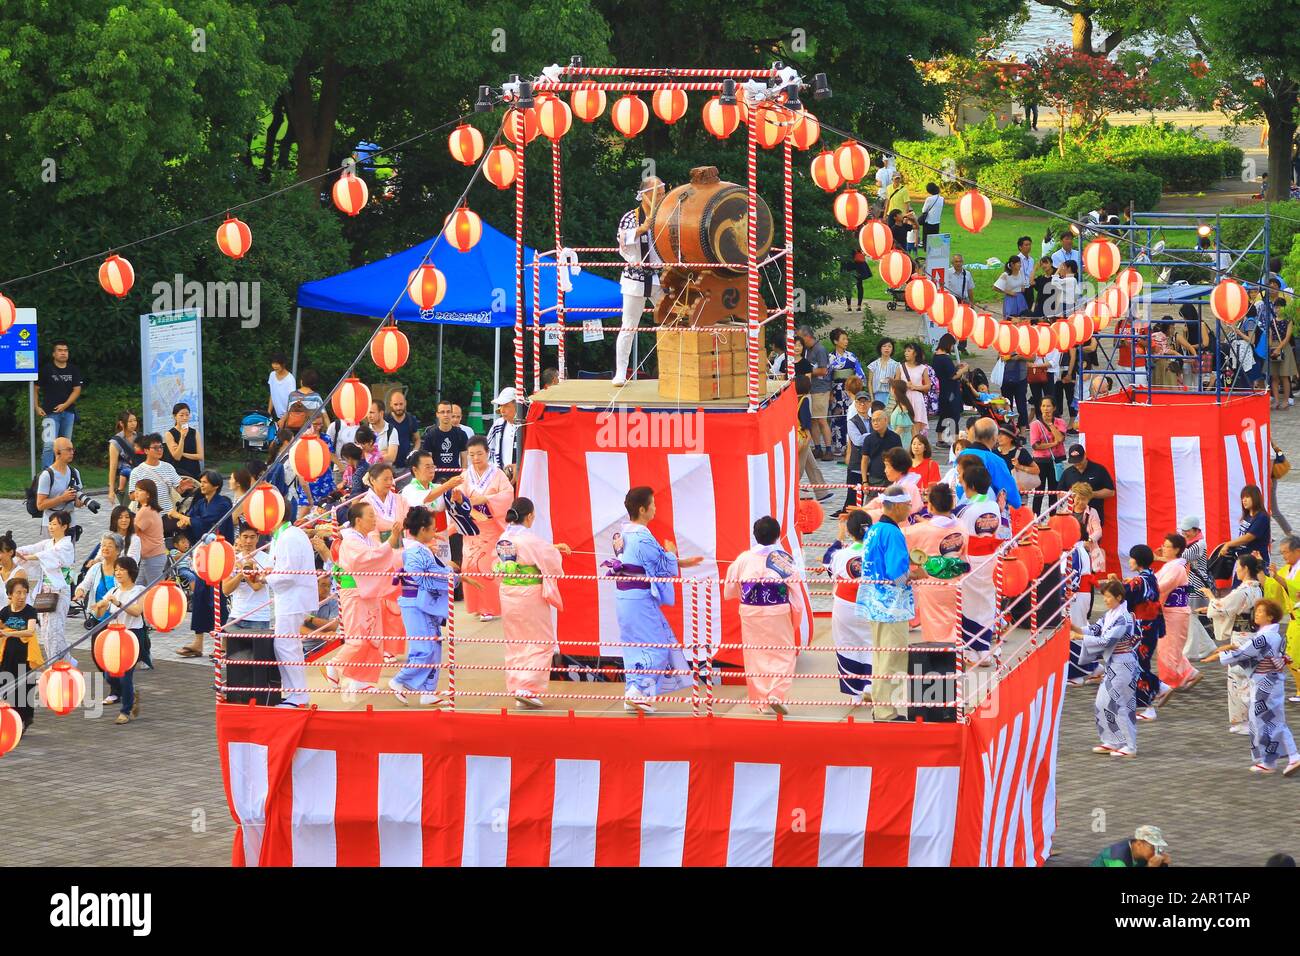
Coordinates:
<point>295,598</point>
<point>638,282</point>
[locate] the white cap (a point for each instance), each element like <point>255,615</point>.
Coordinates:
<point>505,398</point>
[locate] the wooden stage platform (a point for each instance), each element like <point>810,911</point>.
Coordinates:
<point>598,393</point>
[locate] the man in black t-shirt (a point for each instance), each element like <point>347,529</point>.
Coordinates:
<point>58,386</point>
<point>447,442</point>
<point>1091,474</point>
<point>406,426</point>
<point>879,441</point>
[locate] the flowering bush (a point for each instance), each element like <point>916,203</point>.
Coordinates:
<point>1083,89</point>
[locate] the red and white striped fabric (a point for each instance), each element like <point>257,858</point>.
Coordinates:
<point>1183,455</point>
<point>714,474</point>
<point>404,788</point>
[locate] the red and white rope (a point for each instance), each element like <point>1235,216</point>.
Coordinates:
<point>557,196</point>
<point>751,245</point>
<point>787,183</point>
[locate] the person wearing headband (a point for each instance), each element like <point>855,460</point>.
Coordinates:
<point>639,280</point>
<point>770,612</point>
<point>939,536</point>
<point>981,520</point>
<point>885,598</point>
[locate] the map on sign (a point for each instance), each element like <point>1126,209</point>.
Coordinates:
<point>171,360</point>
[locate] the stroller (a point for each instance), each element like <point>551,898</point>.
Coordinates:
<point>257,431</point>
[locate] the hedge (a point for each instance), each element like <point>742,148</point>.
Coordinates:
<point>1053,188</point>
<point>1180,157</point>
<point>969,152</point>
<point>1283,229</point>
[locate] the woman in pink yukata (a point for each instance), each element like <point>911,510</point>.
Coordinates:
<point>489,493</point>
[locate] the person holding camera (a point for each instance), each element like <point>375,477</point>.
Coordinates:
<point>59,487</point>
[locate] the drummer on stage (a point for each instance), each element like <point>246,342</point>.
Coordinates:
<point>638,282</point>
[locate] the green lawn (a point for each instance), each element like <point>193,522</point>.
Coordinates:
<point>997,240</point>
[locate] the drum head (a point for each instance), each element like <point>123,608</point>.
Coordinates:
<point>725,227</point>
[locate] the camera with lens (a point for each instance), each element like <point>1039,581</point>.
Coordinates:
<point>89,503</point>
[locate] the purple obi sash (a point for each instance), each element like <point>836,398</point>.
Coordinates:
<point>620,572</point>
<point>1177,597</point>
<point>764,593</point>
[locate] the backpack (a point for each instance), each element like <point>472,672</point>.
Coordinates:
<point>29,498</point>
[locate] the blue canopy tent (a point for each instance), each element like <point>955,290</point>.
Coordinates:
<point>480,289</point>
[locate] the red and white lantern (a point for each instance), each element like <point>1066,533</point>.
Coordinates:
<point>500,167</point>
<point>851,209</point>
<point>669,105</point>
<point>8,314</point>
<point>824,173</point>
<point>721,121</point>
<point>944,310</point>
<point>1026,341</point>
<point>629,115</point>
<point>62,688</point>
<point>1116,300</point>
<point>973,210</point>
<point>895,268</point>
<point>117,650</point>
<point>1043,342</point>
<point>510,125</point>
<point>351,401</point>
<point>349,193</point>
<point>213,562</point>
<point>11,729</point>
<point>389,349</point>
<point>1099,313</point>
<point>1005,339</point>
<point>264,508</point>
<point>311,456</point>
<point>465,144</point>
<point>463,229</point>
<point>962,325</point>
<point>806,132</point>
<point>234,238</point>
<point>772,126</point>
<point>554,118</point>
<point>116,276</point>
<point>588,103</point>
<point>1229,301</point>
<point>1062,335</point>
<point>875,239</point>
<point>165,606</point>
<point>1082,328</point>
<point>1130,280</point>
<point>1101,259</point>
<point>985,331</point>
<point>919,293</point>
<point>426,287</point>
<point>852,160</point>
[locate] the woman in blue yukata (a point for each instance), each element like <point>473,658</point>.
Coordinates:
<point>843,366</point>
<point>1114,641</point>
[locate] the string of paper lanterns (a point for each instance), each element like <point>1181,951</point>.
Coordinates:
<point>851,209</point>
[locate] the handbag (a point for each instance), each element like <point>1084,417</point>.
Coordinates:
<point>45,602</point>
<point>1059,465</point>
<point>1037,375</point>
<point>1281,467</point>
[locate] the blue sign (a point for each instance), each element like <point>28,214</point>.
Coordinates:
<point>18,361</point>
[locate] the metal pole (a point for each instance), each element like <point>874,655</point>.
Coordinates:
<point>297,333</point>
<point>31,423</point>
<point>440,328</point>
<point>496,364</point>
<point>557,204</point>
<point>519,251</point>
<point>754,296</point>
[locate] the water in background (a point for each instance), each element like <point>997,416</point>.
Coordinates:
<point>1046,25</point>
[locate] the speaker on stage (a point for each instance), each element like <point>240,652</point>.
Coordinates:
<point>931,669</point>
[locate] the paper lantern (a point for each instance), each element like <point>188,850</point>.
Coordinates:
<point>1100,315</point>
<point>11,728</point>
<point>973,210</point>
<point>851,209</point>
<point>1043,340</point>
<point>1229,301</point>
<point>1130,280</point>
<point>669,105</point>
<point>1005,340</point>
<point>1031,557</point>
<point>349,193</point>
<point>234,238</point>
<point>919,293</point>
<point>824,173</point>
<point>116,276</point>
<point>944,310</point>
<point>1067,527</point>
<point>963,323</point>
<point>806,132</point>
<point>895,268</point>
<point>311,456</point>
<point>463,229</point>
<point>721,121</point>
<point>426,287</point>
<point>213,562</point>
<point>465,144</point>
<point>808,516</point>
<point>351,401</point>
<point>1021,518</point>
<point>554,118</point>
<point>116,649</point>
<point>510,125</point>
<point>500,167</point>
<point>1049,545</point>
<point>8,314</point>
<point>587,103</point>
<point>771,126</point>
<point>1026,341</point>
<point>874,238</point>
<point>852,160</point>
<point>164,606</point>
<point>1081,328</point>
<point>984,330</point>
<point>629,115</point>
<point>1062,335</point>
<point>62,688</point>
<point>1116,301</point>
<point>389,349</point>
<point>1101,259</point>
<point>1015,576</point>
<point>264,508</point>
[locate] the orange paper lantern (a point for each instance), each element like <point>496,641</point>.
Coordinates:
<point>62,688</point>
<point>772,126</point>
<point>1005,340</point>
<point>465,144</point>
<point>1062,335</point>
<point>1116,301</point>
<point>1015,576</point>
<point>264,508</point>
<point>1049,545</point>
<point>1026,341</point>
<point>874,238</point>
<point>824,173</point>
<point>895,268</point>
<point>11,728</point>
<point>426,287</point>
<point>213,562</point>
<point>1229,301</point>
<point>8,314</point>
<point>351,401</point>
<point>629,115</point>
<point>116,276</point>
<point>116,649</point>
<point>1043,341</point>
<point>852,160</point>
<point>721,121</point>
<point>1101,259</point>
<point>919,293</point>
<point>944,310</point>
<point>1081,328</point>
<point>389,349</point>
<point>501,166</point>
<point>463,229</point>
<point>510,125</point>
<point>964,321</point>
<point>349,193</point>
<point>1067,527</point>
<point>806,132</point>
<point>1130,280</point>
<point>588,103</point>
<point>973,210</point>
<point>311,457</point>
<point>234,238</point>
<point>165,606</point>
<point>984,331</point>
<point>808,516</point>
<point>851,209</point>
<point>554,118</point>
<point>669,105</point>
